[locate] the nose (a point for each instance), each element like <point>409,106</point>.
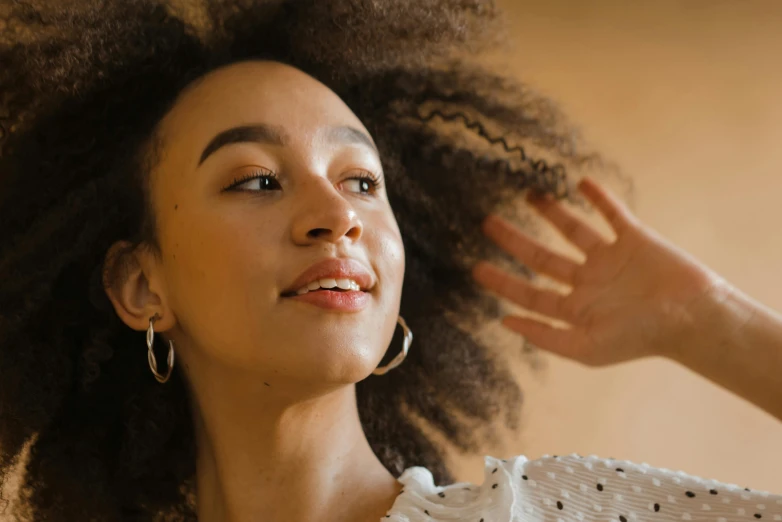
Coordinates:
<point>324,214</point>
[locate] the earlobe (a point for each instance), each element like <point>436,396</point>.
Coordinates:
<point>126,281</point>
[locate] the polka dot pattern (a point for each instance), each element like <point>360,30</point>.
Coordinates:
<point>578,488</point>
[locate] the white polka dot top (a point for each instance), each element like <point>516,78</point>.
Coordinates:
<point>575,488</point>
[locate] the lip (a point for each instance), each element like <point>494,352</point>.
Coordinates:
<point>352,301</point>
<point>335,268</point>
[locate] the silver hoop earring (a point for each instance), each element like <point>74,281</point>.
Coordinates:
<point>401,355</point>
<point>151,354</point>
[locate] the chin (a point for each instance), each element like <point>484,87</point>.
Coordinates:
<point>339,366</point>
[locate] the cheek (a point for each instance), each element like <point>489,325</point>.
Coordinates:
<point>220,271</point>
<point>212,250</point>
<point>389,254</point>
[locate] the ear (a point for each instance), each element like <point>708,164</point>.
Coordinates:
<point>133,283</point>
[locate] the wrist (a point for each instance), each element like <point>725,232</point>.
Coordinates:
<point>714,320</point>
<point>736,343</point>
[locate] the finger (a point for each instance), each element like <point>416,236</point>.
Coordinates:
<point>544,336</point>
<point>518,291</point>
<point>528,251</point>
<point>572,227</point>
<point>615,212</point>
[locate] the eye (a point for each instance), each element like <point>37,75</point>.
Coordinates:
<point>365,182</point>
<point>263,180</point>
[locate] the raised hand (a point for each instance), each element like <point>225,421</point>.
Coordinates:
<point>632,297</point>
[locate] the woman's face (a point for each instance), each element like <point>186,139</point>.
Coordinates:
<point>231,250</point>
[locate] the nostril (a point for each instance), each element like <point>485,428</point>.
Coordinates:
<point>317,232</point>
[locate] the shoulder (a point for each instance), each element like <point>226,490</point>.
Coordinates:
<point>575,487</point>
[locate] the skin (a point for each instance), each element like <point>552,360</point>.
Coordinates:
<point>272,380</point>
<point>637,295</point>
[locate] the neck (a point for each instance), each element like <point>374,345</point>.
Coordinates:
<point>262,456</point>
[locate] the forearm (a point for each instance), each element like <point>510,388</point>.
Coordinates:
<point>739,347</point>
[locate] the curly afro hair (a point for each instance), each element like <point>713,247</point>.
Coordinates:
<point>83,85</point>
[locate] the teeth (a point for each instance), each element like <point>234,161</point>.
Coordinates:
<point>343,284</point>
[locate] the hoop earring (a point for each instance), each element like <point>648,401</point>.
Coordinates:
<point>401,355</point>
<point>151,354</point>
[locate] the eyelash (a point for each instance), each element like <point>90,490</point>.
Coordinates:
<point>373,178</point>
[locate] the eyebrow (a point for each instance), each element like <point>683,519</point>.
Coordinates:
<point>275,135</point>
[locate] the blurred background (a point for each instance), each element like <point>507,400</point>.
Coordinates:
<point>686,96</point>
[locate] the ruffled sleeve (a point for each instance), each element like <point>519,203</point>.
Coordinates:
<point>572,487</point>
<point>575,488</point>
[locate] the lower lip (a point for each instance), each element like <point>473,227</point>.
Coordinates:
<point>342,301</point>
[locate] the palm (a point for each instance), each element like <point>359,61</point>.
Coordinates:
<point>629,299</point>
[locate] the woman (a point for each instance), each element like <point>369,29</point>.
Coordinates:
<point>270,191</point>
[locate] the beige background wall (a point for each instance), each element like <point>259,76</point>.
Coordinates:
<point>687,97</point>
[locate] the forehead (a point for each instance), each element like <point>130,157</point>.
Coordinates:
<point>255,92</point>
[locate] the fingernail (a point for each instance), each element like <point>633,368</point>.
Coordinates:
<point>488,221</point>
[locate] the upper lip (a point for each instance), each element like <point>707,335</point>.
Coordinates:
<point>336,268</point>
